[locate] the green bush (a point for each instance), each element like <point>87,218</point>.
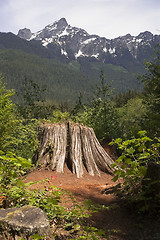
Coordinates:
<point>132,164</point>
<point>8,119</point>
<point>11,187</point>
<point>15,193</point>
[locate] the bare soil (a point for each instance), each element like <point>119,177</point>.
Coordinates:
<point>120,223</point>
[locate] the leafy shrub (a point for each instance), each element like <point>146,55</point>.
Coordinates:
<point>130,117</point>
<point>72,218</point>
<point>17,134</point>
<point>59,116</point>
<point>11,187</point>
<point>7,115</point>
<point>15,193</point>
<point>24,141</point>
<point>132,164</point>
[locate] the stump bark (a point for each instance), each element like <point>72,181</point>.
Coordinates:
<point>73,144</point>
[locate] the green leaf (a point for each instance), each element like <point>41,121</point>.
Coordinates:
<point>118,140</point>
<point>143,170</point>
<point>37,237</point>
<point>120,159</point>
<point>77,227</point>
<point>131,150</point>
<point>1,152</point>
<point>128,160</point>
<point>115,178</point>
<point>95,238</point>
<point>142,133</point>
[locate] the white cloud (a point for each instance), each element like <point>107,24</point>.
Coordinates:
<point>109,18</point>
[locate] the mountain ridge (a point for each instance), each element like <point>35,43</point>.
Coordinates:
<point>68,60</point>
<point>76,42</point>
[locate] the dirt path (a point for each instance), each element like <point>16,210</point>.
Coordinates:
<point>119,222</point>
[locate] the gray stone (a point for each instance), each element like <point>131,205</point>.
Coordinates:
<point>27,221</point>
<point>25,33</point>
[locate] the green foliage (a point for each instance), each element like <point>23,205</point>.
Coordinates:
<point>59,116</point>
<point>11,167</point>
<point>123,77</point>
<point>131,117</point>
<point>100,113</point>
<point>17,134</point>
<point>71,218</point>
<point>122,98</point>
<point>151,92</point>
<point>132,164</point>
<point>62,82</point>
<point>7,115</point>
<point>15,193</point>
<point>11,187</point>
<point>24,141</point>
<point>31,99</point>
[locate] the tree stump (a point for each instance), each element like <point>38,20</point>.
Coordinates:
<point>73,144</point>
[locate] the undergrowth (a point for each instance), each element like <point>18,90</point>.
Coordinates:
<point>63,211</point>
<point>132,169</point>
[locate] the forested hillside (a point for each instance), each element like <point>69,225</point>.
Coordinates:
<point>63,81</point>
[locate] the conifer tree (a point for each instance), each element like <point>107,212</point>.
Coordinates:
<point>151,82</point>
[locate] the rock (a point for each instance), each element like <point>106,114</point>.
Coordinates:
<point>24,221</point>
<point>25,33</point>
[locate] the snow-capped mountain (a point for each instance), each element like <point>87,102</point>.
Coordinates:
<point>75,42</point>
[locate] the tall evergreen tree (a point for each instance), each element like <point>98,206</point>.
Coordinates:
<point>100,112</point>
<point>151,82</point>
<point>7,115</point>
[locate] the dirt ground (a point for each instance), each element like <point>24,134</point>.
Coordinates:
<point>120,223</point>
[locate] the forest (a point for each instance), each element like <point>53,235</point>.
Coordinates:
<point>128,120</point>
<point>64,80</point>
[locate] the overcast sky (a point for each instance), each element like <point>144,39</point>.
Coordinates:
<point>106,18</point>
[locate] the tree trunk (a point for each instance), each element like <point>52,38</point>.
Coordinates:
<point>74,144</point>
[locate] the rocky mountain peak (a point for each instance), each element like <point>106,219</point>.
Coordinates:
<point>76,42</point>
<point>25,33</point>
<point>62,23</point>
<point>57,26</point>
<point>145,35</point>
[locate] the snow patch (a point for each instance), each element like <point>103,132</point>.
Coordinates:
<point>34,35</point>
<point>64,33</point>
<point>95,55</point>
<point>104,49</point>
<point>89,40</point>
<point>46,41</point>
<point>139,40</point>
<point>63,52</point>
<point>80,53</point>
<point>112,50</point>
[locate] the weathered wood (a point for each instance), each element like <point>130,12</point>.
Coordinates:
<point>74,144</point>
<point>59,145</point>
<point>53,146</point>
<point>103,160</point>
<point>88,152</point>
<point>75,149</point>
